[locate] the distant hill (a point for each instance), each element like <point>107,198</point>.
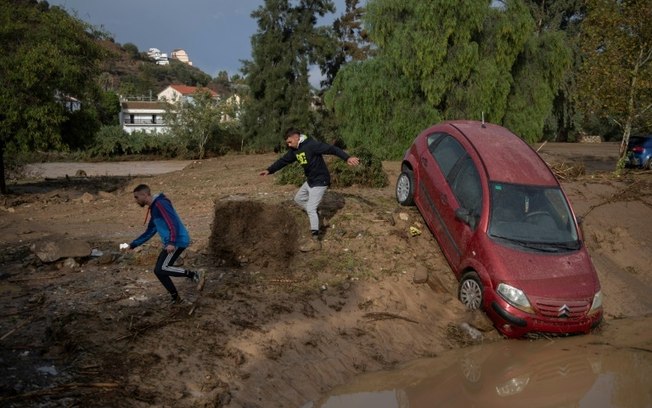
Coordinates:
<point>131,73</point>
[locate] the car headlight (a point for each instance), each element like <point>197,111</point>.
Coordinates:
<point>597,302</point>
<point>512,387</point>
<point>515,297</point>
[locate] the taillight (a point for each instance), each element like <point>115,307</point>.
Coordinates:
<point>637,149</point>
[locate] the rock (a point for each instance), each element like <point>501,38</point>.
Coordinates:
<point>420,275</point>
<point>473,334</point>
<point>53,250</point>
<point>70,264</point>
<point>106,258</point>
<point>105,195</point>
<point>86,198</point>
<point>403,216</point>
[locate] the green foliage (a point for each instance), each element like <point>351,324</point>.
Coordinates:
<point>369,173</point>
<point>202,121</point>
<point>112,141</point>
<point>615,76</point>
<point>537,77</point>
<point>447,59</point>
<point>47,57</point>
<point>131,49</point>
<point>378,108</point>
<point>286,43</point>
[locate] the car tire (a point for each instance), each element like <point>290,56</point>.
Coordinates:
<point>648,164</point>
<point>471,292</point>
<point>405,188</point>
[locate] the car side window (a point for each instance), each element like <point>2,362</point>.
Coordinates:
<point>467,186</point>
<point>433,139</point>
<point>446,153</point>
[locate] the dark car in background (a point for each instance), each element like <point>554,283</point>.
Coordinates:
<point>639,152</point>
<point>505,227</point>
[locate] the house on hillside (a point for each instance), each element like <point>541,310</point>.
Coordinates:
<point>142,116</point>
<point>181,55</point>
<point>176,93</point>
<point>161,58</point>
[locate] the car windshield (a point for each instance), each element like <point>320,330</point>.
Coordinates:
<point>535,217</point>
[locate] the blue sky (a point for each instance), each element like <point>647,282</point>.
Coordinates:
<point>215,33</point>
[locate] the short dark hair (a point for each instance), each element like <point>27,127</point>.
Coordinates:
<point>291,132</point>
<point>142,187</point>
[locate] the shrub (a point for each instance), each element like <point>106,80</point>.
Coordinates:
<point>112,141</point>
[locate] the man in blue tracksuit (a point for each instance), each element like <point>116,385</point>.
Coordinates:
<point>309,153</point>
<point>174,235</point>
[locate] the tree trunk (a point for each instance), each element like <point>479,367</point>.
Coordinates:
<point>630,108</point>
<point>3,185</point>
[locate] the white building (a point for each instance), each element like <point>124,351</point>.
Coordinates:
<point>143,116</point>
<point>161,58</point>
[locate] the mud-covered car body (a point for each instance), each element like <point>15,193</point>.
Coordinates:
<point>505,226</point>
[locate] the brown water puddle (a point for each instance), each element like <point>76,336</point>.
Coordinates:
<point>581,371</point>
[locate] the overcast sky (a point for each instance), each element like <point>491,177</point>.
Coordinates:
<point>216,34</point>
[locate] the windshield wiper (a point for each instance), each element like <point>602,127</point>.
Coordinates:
<point>540,246</point>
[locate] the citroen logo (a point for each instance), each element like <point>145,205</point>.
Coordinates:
<point>564,311</point>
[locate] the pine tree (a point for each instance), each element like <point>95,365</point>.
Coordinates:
<point>287,42</point>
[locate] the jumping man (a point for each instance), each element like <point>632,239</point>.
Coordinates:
<point>309,153</point>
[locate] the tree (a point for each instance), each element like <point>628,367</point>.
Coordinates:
<point>352,41</point>
<point>196,121</point>
<point>48,56</point>
<point>616,76</point>
<point>286,44</point>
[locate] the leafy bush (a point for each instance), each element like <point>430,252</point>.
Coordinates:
<point>369,173</point>
<point>112,141</point>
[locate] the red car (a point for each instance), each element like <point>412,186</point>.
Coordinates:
<point>505,226</point>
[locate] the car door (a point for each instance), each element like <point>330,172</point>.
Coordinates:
<point>466,187</point>
<point>439,161</point>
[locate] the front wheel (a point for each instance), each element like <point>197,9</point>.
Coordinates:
<point>470,293</point>
<point>405,188</point>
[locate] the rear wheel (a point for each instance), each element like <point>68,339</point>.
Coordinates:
<point>648,164</point>
<point>470,293</point>
<point>405,188</point>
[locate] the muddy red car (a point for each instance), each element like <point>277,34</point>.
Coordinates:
<point>505,226</point>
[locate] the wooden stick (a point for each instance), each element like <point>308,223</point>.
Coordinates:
<point>386,315</point>
<point>16,328</point>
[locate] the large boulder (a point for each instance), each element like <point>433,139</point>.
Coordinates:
<point>53,249</point>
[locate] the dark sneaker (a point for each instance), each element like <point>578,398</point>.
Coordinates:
<point>195,276</point>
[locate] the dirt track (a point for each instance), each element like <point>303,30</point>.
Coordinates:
<point>264,334</point>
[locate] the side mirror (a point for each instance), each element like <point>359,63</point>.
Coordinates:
<point>465,216</point>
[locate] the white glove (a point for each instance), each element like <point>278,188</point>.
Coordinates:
<point>124,246</point>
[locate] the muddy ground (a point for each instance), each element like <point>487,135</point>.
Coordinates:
<point>272,327</point>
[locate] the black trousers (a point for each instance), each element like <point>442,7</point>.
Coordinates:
<point>164,269</point>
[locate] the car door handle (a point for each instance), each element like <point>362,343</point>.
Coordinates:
<point>424,161</point>
<point>443,199</point>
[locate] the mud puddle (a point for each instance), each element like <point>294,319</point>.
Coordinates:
<point>582,371</point>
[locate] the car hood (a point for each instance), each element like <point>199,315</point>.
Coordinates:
<point>568,275</point>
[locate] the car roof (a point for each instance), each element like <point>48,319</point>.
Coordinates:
<point>507,158</point>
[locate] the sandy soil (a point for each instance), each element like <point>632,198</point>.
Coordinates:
<point>272,327</point>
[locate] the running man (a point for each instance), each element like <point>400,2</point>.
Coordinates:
<point>165,221</point>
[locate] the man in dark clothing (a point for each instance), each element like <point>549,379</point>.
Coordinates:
<point>309,153</point>
<point>174,236</point>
